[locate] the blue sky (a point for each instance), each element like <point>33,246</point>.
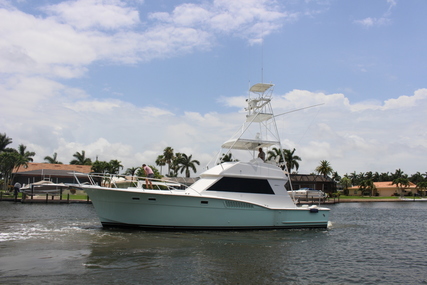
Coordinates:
<point>124,79</point>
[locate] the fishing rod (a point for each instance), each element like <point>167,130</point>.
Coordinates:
<point>299,109</point>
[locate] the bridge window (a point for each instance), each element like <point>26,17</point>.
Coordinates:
<point>242,185</point>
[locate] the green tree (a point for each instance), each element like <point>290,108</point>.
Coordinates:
<point>114,166</point>
<point>52,159</point>
<point>353,177</point>
<point>398,174</point>
<point>291,159</point>
<point>175,165</point>
<point>417,178</point>
<point>422,187</point>
<point>81,159</point>
<point>27,155</point>
<point>401,183</point>
<point>161,161</point>
<point>324,168</point>
<point>168,156</point>
<point>367,186</point>
<point>277,155</point>
<point>336,177</point>
<point>131,171</point>
<point>385,176</point>
<point>100,166</point>
<point>345,183</point>
<point>187,164</point>
<point>4,142</point>
<point>9,160</point>
<point>227,158</point>
<point>280,156</point>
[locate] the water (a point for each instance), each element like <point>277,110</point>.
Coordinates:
<point>366,243</point>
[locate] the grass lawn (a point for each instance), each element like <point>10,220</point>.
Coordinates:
<point>368,197</point>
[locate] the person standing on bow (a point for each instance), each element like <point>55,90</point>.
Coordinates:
<point>149,174</point>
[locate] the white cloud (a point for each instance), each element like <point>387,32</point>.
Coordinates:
<point>381,21</point>
<point>88,14</point>
<point>247,19</point>
<point>407,101</point>
<point>53,116</point>
<point>75,34</point>
<point>351,138</point>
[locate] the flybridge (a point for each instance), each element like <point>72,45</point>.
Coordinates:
<point>259,111</point>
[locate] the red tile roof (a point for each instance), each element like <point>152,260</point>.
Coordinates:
<point>389,184</point>
<point>386,184</point>
<point>48,166</point>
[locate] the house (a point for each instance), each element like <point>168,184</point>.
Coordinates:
<point>312,181</point>
<point>57,173</point>
<point>386,188</point>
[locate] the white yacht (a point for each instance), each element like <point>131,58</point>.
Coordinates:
<point>234,195</point>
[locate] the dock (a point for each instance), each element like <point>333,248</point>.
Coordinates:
<point>46,199</point>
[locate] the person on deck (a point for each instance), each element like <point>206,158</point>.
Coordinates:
<point>261,154</point>
<point>149,174</point>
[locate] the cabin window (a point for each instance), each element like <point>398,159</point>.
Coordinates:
<point>242,185</point>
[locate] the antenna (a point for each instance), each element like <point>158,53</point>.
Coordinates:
<point>262,56</point>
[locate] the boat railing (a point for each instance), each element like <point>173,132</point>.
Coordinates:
<point>128,181</point>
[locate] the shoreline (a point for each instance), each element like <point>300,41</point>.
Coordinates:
<point>49,200</point>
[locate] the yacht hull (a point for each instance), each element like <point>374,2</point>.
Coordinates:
<point>157,210</point>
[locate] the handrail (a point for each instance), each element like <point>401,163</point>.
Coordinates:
<point>114,181</point>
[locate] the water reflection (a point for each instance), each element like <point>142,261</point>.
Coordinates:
<point>365,244</point>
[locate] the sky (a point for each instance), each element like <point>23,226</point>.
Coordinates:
<point>125,79</point>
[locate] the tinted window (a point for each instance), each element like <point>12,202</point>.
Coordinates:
<point>242,185</point>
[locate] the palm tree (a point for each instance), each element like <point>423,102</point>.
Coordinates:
<point>100,166</point>
<point>115,166</point>
<point>417,178</point>
<point>385,176</point>
<point>336,177</point>
<point>345,183</point>
<point>4,142</point>
<point>276,154</point>
<point>367,186</point>
<point>175,165</point>
<point>291,159</point>
<point>324,168</point>
<point>131,171</point>
<point>9,160</point>
<point>168,156</point>
<point>353,177</point>
<point>52,159</point>
<point>398,174</point>
<point>27,155</point>
<point>161,161</point>
<point>186,164</point>
<point>227,158</point>
<point>422,187</point>
<point>401,183</point>
<point>80,159</point>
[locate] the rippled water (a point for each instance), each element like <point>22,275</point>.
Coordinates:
<point>366,243</point>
